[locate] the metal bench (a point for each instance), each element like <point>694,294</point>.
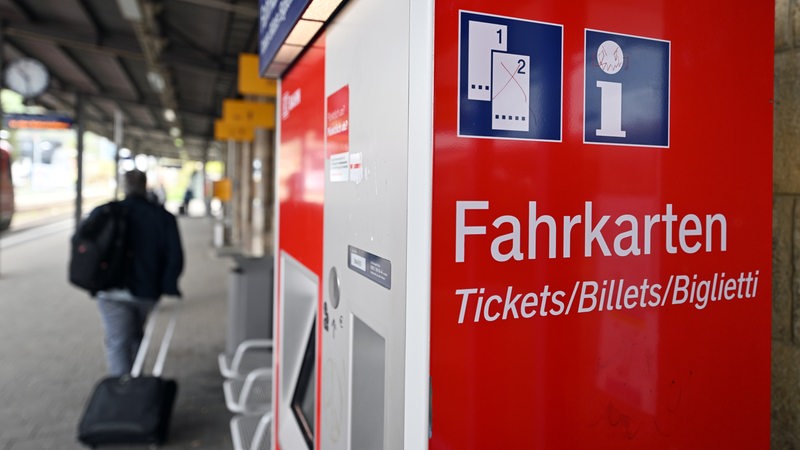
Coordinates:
<point>249,355</point>
<point>251,395</point>
<point>251,432</point>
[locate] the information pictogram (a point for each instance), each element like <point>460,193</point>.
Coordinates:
<point>626,90</point>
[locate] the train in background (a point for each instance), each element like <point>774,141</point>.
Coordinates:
<point>6,187</point>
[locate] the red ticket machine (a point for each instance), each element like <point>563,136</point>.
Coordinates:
<point>535,225</point>
<point>601,225</point>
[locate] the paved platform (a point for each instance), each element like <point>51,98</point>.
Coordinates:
<point>51,350</point>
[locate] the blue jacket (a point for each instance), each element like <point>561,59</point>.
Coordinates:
<point>155,253</point>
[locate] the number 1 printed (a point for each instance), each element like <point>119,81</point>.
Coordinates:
<point>483,38</point>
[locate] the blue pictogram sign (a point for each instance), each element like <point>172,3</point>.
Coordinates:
<point>626,99</point>
<point>510,78</point>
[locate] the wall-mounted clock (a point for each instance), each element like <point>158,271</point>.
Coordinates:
<point>27,76</point>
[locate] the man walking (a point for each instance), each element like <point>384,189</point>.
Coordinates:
<point>154,264</point>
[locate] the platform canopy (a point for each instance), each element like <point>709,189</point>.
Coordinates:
<point>165,65</point>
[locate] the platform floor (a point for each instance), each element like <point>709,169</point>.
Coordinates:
<point>51,350</point>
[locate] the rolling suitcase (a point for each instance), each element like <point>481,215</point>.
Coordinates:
<point>135,408</point>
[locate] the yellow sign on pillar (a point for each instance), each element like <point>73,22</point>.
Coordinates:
<point>233,131</point>
<point>249,81</point>
<point>255,114</point>
<point>222,189</point>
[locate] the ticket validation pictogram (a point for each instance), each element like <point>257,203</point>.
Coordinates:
<point>510,78</point>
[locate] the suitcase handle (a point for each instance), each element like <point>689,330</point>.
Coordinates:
<point>138,363</point>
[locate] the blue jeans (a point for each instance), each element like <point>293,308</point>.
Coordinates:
<point>123,322</point>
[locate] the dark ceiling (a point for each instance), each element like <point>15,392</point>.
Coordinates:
<point>99,59</point>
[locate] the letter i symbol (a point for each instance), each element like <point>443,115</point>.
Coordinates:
<point>610,59</point>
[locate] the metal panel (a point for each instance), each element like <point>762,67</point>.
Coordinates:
<point>365,206</point>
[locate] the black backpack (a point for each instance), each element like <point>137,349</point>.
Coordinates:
<point>99,250</point>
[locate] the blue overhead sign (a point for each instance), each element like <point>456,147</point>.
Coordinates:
<point>38,121</point>
<point>276,20</point>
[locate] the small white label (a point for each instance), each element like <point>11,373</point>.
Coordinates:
<point>358,261</point>
<point>356,167</point>
<point>339,167</point>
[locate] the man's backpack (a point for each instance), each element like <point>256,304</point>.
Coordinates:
<point>99,251</point>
